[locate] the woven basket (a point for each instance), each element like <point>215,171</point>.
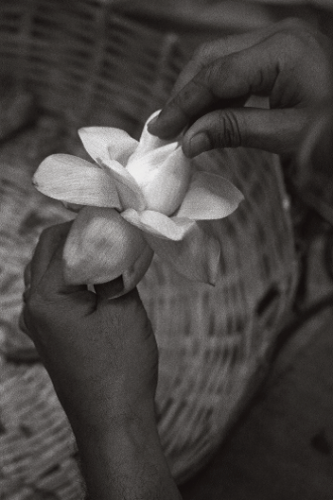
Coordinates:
<point>85,63</point>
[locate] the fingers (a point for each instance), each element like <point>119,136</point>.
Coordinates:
<point>50,298</point>
<point>233,76</point>
<point>277,131</point>
<point>47,268</point>
<point>286,61</point>
<point>209,52</point>
<point>125,314</point>
<point>48,243</point>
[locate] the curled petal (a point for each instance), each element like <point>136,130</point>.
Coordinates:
<point>148,142</point>
<point>100,246</point>
<point>107,143</point>
<point>71,179</point>
<point>135,273</point>
<point>129,192</point>
<point>159,224</point>
<point>196,256</point>
<point>209,196</point>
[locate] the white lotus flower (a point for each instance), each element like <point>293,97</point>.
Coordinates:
<point>138,198</point>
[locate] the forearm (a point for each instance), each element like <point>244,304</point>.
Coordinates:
<point>124,461</point>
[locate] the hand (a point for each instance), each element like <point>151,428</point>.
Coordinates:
<point>290,62</point>
<point>102,358</point>
<point>101,354</point>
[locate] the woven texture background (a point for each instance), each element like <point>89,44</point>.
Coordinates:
<point>85,64</point>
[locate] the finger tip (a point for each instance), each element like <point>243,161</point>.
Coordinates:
<point>162,128</point>
<point>70,276</point>
<point>158,131</point>
<point>154,126</point>
<point>188,150</point>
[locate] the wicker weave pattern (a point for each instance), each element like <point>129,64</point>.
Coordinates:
<point>33,439</point>
<point>88,65</point>
<point>87,62</point>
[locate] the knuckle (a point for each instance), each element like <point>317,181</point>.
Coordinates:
<point>298,45</point>
<point>227,131</point>
<point>295,36</point>
<point>182,101</point>
<point>213,76</point>
<point>192,95</point>
<point>288,41</point>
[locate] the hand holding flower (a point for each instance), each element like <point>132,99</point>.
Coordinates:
<point>139,198</point>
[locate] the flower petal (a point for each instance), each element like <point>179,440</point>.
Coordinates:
<point>71,179</point>
<point>111,148</point>
<point>159,224</point>
<point>129,192</point>
<point>163,176</point>
<point>100,246</point>
<point>107,143</point>
<point>209,196</point>
<point>135,273</point>
<point>152,158</point>
<point>148,142</point>
<point>196,256</point>
<point>129,279</point>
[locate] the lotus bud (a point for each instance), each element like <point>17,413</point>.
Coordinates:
<point>163,176</point>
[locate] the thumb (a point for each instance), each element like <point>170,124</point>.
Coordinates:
<point>49,297</point>
<point>277,131</point>
<point>48,284</point>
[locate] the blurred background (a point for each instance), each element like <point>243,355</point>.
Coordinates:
<point>200,20</point>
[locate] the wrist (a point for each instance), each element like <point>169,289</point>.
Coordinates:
<point>122,432</point>
<point>125,458</point>
<point>106,416</point>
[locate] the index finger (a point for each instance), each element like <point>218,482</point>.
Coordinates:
<point>234,76</point>
<point>48,250</point>
<point>209,52</point>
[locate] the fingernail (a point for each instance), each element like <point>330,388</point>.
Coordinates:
<point>163,128</point>
<point>199,143</point>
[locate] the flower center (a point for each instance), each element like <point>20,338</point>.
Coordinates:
<point>163,176</point>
